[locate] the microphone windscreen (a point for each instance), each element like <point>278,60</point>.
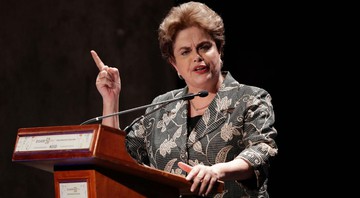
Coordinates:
<point>203,93</point>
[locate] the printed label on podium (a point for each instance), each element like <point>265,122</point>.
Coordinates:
<point>73,189</point>
<point>56,141</point>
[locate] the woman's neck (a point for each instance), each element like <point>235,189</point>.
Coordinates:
<point>198,105</point>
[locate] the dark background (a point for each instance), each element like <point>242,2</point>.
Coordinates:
<point>47,75</point>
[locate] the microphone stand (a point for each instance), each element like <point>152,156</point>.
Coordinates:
<point>186,97</point>
<point>143,116</point>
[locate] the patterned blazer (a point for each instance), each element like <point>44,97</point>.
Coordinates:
<point>237,124</point>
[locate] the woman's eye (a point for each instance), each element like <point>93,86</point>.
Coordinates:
<point>204,47</point>
<point>184,53</point>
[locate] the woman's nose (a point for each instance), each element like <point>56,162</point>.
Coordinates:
<point>198,58</point>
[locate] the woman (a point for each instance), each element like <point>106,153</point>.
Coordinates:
<point>227,136</point>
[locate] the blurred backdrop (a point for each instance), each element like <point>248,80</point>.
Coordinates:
<point>47,75</point>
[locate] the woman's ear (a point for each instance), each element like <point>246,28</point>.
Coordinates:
<point>172,62</point>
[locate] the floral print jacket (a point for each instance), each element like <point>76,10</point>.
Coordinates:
<point>237,124</point>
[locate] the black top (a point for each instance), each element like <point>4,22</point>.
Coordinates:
<point>192,121</point>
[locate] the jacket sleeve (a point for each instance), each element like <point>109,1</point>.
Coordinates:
<point>259,133</point>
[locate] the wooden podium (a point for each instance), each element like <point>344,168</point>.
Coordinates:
<point>91,161</point>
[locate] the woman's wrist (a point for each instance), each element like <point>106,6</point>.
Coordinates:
<point>237,169</point>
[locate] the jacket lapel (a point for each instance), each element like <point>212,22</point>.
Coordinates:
<point>216,114</point>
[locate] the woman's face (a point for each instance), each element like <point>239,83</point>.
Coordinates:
<point>197,59</point>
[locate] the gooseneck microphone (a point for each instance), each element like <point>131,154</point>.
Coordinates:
<point>189,96</point>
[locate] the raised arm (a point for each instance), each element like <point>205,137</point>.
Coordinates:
<point>108,84</point>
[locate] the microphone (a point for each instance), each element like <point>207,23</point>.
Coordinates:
<point>189,96</point>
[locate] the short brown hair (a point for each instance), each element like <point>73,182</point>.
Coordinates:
<point>187,15</point>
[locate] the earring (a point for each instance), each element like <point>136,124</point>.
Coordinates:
<point>181,78</point>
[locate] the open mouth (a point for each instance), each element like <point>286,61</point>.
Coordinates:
<point>201,69</point>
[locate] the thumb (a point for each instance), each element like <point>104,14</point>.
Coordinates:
<point>185,167</point>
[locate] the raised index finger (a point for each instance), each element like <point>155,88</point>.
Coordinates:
<point>97,60</point>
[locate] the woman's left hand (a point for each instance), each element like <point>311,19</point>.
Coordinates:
<point>203,177</point>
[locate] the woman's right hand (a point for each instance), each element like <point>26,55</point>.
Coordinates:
<point>108,80</point>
